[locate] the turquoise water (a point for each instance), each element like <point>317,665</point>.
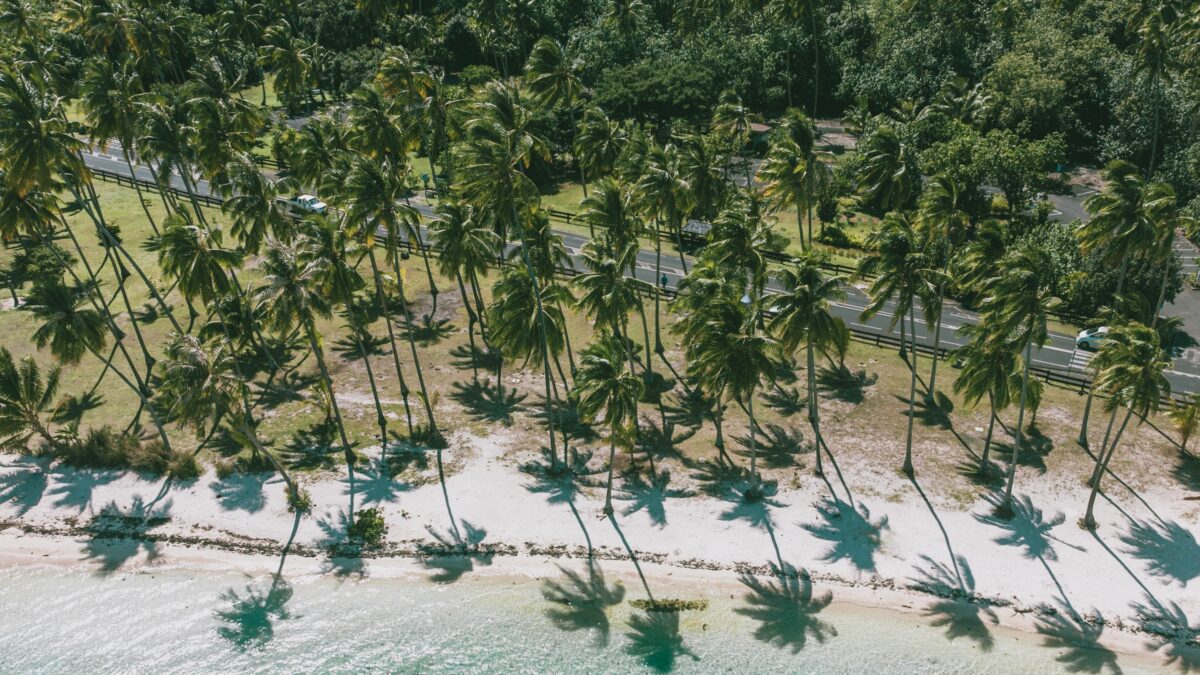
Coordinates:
<point>52,620</point>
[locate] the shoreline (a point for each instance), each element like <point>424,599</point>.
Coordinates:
<point>35,546</point>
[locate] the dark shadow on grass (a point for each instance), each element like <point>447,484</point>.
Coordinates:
<point>661,442</point>
<point>954,610</point>
<point>777,446</point>
<point>252,615</point>
<point>654,638</point>
<point>1168,549</point>
<point>689,409</point>
<point>650,495</point>
<point>1034,451</point>
<point>23,484</point>
<point>483,359</point>
<point>853,535</point>
<point>1077,639</point>
<point>566,419</point>
<point>717,479</point>
<point>428,331</point>
<point>580,601</point>
<point>73,408</point>
<point>117,535</point>
<point>786,401</point>
<point>348,347</point>
<point>786,609</point>
<point>287,388</point>
<point>456,553</point>
<point>655,385</point>
<point>313,448</point>
<point>484,403</point>
<point>844,384</point>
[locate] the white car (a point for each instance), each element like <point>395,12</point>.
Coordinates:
<point>308,204</point>
<point>1090,340</point>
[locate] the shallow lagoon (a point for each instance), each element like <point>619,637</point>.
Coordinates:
<point>58,620</point>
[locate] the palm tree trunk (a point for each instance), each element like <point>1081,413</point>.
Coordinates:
<point>677,228</point>
<point>612,459</point>
<point>903,343</point>
<point>931,390</point>
<point>912,396</point>
<point>658,345</point>
<point>137,185</point>
<point>119,271</point>
<point>1089,518</point>
<point>380,418</point>
<point>567,342</point>
<point>987,440</point>
<point>1006,505</point>
<point>719,423</point>
<point>435,436</point>
<point>315,344</point>
<point>800,227</point>
<point>1156,88</point>
<point>462,290</point>
<point>252,434</point>
<point>753,446</point>
<point>537,297</point>
<point>381,298</point>
<point>1087,408</point>
<point>813,409</point>
<point>142,392</point>
<point>812,15</point>
<point>1162,289</point>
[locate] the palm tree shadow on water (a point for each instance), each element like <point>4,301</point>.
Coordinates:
<point>251,615</point>
<point>786,608</point>
<point>956,608</point>
<point>580,601</point>
<point>1077,639</point>
<point>654,638</point>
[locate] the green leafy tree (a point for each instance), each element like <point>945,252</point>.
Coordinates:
<point>605,385</point>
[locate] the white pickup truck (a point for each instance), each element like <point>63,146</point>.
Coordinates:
<point>303,204</point>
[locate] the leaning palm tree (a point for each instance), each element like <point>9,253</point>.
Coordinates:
<point>899,264</point>
<point>605,385</point>
<point>1120,225</point>
<point>607,295</point>
<point>195,257</point>
<point>801,317</point>
<point>1019,299</point>
<point>793,172</point>
<point>27,402</point>
<point>71,330</point>
<point>291,61</point>
<point>664,196</point>
<point>732,119</point>
<point>945,225</point>
<point>1132,374</point>
<point>291,298</point>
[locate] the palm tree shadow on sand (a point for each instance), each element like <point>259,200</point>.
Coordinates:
<point>117,535</point>
<point>854,536</point>
<point>1168,549</point>
<point>955,609</point>
<point>580,601</point>
<point>786,608</point>
<point>655,639</point>
<point>456,552</point>
<point>650,495</point>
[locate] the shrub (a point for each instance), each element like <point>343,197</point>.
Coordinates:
<point>183,466</point>
<point>368,529</point>
<point>302,503</point>
<point>835,236</point>
<point>225,468</point>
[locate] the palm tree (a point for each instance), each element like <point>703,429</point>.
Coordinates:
<point>598,143</point>
<point>498,147</point>
<point>792,172</point>
<point>372,195</point>
<point>899,264</point>
<point>244,21</point>
<point>1120,224</point>
<point>889,177</point>
<point>991,368</point>
<point>801,317</point>
<point>607,294</point>
<point>1154,23</point>
<point>605,385</point>
<point>945,224</point>
<point>292,297</point>
<point>731,361</point>
<point>465,244</point>
<point>25,398</point>
<point>664,195</point>
<point>201,386</point>
<point>792,11</point>
<point>701,162</point>
<point>195,256</point>
<point>322,141</point>
<point>283,54</point>
<point>1186,419</point>
<point>732,120</point>
<point>110,106</point>
<point>1132,374</point>
<point>254,208</point>
<point>1019,299</point>
<point>70,331</point>
<point>553,79</point>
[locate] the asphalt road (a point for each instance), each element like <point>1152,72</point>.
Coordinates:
<point>1059,353</point>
